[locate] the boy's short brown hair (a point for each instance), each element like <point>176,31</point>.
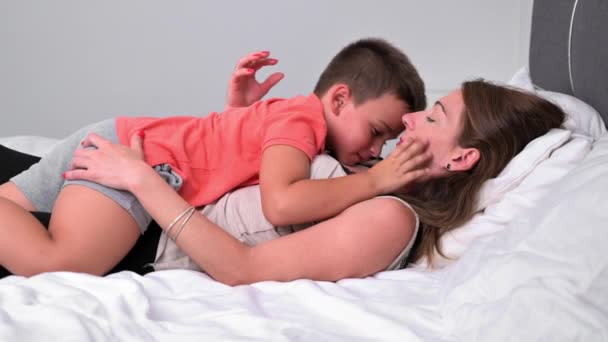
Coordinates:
<point>372,67</point>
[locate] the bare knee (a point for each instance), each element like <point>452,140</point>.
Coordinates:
<point>10,191</point>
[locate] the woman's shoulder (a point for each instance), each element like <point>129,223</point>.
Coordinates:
<point>396,206</point>
<point>389,211</point>
<point>395,223</point>
<point>400,201</point>
<point>387,222</point>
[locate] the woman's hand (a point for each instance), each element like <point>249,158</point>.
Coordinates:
<point>113,165</point>
<point>404,166</point>
<point>244,89</point>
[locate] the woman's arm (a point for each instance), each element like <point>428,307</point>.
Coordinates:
<point>362,240</point>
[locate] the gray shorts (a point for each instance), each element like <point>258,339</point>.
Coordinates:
<point>42,182</point>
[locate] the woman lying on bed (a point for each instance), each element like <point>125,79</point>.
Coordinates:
<point>472,133</point>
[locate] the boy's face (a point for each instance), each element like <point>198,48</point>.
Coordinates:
<point>359,132</point>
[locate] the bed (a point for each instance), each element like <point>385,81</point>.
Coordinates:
<point>532,265</point>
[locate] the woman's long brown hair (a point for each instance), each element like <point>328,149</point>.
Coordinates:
<point>499,122</point>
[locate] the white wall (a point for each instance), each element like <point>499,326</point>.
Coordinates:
<point>66,63</point>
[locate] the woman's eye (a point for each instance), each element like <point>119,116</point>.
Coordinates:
<point>375,132</point>
<point>429,119</point>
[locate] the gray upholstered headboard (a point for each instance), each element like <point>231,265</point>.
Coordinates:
<point>569,49</point>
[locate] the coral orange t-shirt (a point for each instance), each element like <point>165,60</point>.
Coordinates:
<point>222,151</point>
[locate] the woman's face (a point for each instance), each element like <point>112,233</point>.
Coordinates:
<point>440,127</point>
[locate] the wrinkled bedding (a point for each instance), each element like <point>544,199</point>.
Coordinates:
<point>543,277</point>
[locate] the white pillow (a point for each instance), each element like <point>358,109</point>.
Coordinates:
<point>581,117</point>
<point>521,191</point>
<point>541,164</point>
<point>546,274</point>
<point>521,166</point>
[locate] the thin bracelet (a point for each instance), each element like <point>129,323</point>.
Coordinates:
<point>179,217</point>
<point>183,225</point>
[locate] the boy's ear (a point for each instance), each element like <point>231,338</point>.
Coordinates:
<point>340,95</point>
<point>465,160</point>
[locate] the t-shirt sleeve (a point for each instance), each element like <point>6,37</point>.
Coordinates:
<point>299,129</point>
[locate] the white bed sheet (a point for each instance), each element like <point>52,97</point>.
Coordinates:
<point>543,278</point>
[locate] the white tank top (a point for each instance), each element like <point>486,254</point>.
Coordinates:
<point>240,214</point>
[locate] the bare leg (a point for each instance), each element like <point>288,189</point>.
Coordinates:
<point>88,232</point>
<point>10,191</point>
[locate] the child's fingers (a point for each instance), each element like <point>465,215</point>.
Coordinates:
<point>417,174</point>
<point>271,81</point>
<point>425,175</point>
<point>408,148</point>
<point>403,145</point>
<point>241,75</point>
<point>246,61</point>
<point>417,162</point>
<point>260,63</point>
<point>410,155</point>
<point>243,62</point>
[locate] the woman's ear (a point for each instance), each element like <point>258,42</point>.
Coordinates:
<point>465,159</point>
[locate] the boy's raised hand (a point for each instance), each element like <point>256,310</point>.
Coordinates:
<point>406,164</point>
<point>243,88</point>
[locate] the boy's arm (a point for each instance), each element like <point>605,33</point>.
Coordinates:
<point>290,197</point>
